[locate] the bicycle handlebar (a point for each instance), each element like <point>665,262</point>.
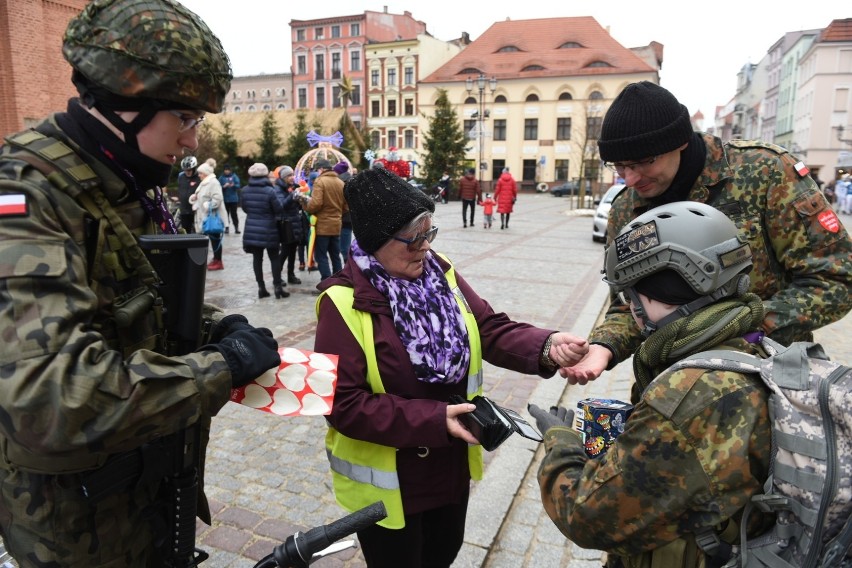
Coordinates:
<point>298,550</point>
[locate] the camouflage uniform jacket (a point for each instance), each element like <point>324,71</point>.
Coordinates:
<point>75,388</point>
<point>693,452</point>
<point>802,253</point>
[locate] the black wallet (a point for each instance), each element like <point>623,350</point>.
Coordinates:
<point>492,424</point>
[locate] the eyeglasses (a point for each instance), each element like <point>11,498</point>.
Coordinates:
<point>637,167</point>
<point>187,122</point>
<point>417,242</point>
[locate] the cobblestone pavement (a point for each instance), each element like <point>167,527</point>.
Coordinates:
<point>267,476</point>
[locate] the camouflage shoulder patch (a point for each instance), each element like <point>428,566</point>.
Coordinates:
<point>745,144</point>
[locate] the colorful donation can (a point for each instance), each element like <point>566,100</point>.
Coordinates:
<point>600,421</point>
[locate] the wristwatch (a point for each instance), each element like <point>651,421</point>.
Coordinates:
<point>544,359</point>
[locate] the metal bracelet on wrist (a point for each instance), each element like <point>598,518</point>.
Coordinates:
<point>544,359</point>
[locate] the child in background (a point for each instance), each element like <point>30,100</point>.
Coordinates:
<point>488,209</point>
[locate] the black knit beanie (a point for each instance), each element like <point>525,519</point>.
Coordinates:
<point>382,203</point>
<point>644,120</point>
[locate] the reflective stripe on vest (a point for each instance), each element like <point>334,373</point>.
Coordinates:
<point>363,472</point>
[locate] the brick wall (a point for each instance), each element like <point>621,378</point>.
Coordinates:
<point>35,79</point>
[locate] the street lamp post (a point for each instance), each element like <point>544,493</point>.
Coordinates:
<point>481,115</point>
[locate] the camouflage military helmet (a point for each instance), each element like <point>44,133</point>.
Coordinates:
<point>693,240</point>
<point>149,49</point>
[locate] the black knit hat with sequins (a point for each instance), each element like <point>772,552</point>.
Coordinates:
<point>644,120</point>
<point>382,203</point>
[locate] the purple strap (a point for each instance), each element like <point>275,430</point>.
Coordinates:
<point>754,336</point>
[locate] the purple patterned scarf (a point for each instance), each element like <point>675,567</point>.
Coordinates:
<point>426,316</point>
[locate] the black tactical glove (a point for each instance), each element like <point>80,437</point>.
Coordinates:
<point>227,325</point>
<point>249,352</point>
<point>558,416</point>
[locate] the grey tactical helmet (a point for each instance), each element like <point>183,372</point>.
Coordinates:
<point>148,49</point>
<point>693,240</point>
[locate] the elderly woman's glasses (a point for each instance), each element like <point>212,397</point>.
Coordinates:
<point>415,243</point>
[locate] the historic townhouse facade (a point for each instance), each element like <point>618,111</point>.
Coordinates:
<point>822,122</point>
<point>393,72</point>
<point>260,93</point>
<point>325,50</point>
<point>545,87</point>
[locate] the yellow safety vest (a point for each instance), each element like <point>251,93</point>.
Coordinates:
<point>364,472</point>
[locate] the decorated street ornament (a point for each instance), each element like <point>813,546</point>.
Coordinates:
<point>394,164</point>
<point>322,148</point>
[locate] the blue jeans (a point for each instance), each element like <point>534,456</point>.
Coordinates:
<point>345,241</point>
<point>325,246</point>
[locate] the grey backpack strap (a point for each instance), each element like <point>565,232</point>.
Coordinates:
<point>722,360</point>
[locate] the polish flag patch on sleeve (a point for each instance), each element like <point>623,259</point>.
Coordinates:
<point>13,204</point>
<point>802,169</point>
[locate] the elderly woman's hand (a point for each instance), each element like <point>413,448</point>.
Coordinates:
<point>567,349</point>
<point>454,427</point>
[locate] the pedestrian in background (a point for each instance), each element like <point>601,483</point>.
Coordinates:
<point>230,183</point>
<point>95,410</point>
<point>342,170</point>
<point>505,194</point>
<point>802,253</point>
<point>208,199</point>
<point>844,188</point>
<point>470,194</point>
<point>488,210</point>
<point>291,220</point>
<point>328,205</point>
<point>393,434</point>
<point>187,183</point>
<point>444,186</point>
<point>260,202</point>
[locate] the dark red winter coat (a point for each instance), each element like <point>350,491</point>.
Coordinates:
<point>469,188</point>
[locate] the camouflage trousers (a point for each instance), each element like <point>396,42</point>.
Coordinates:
<point>46,522</point>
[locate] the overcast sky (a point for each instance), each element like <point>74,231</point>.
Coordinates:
<point>705,43</point>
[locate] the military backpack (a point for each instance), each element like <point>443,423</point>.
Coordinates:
<point>809,488</point>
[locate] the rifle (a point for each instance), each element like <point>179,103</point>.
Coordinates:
<point>181,263</point>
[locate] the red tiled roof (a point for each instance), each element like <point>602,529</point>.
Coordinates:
<point>538,43</point>
<point>837,30</point>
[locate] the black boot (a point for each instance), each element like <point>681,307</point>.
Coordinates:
<point>261,290</point>
<point>280,292</point>
<point>292,279</point>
